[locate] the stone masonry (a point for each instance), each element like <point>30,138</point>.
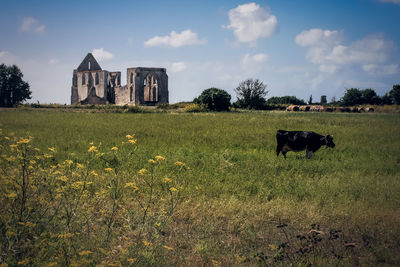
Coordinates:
<point>92,85</point>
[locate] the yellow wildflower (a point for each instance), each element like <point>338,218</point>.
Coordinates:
<point>152,161</point>
<point>63,178</point>
<point>7,138</point>
<point>80,166</point>
<point>33,162</point>
<point>167,180</point>
<point>273,247</point>
<point>173,189</point>
<point>216,262</point>
<point>132,185</point>
<point>37,149</point>
<point>77,185</point>
<point>52,149</point>
<point>29,224</point>
<point>108,169</point>
<point>131,259</point>
<point>23,141</point>
<point>160,158</point>
<point>68,162</point>
<point>51,264</point>
<point>11,195</point>
<point>94,173</point>
<point>167,247</point>
<point>143,171</point>
<point>114,148</point>
<point>129,136</point>
<point>13,146</point>
<point>146,243</point>
<point>132,141</point>
<point>47,156</point>
<point>92,149</point>
<point>85,252</point>
<point>65,235</point>
<point>24,262</point>
<point>179,163</point>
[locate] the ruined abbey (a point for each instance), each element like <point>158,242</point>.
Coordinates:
<point>92,85</point>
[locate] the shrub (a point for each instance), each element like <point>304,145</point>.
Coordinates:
<point>214,99</point>
<point>194,108</point>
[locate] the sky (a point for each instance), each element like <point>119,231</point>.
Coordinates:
<point>297,48</point>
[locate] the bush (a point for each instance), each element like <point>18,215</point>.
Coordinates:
<point>285,100</point>
<point>214,99</point>
<point>194,108</point>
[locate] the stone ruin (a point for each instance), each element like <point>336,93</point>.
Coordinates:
<point>92,85</point>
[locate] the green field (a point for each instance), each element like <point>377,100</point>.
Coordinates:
<point>232,202</point>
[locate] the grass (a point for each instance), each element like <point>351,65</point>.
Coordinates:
<point>237,192</point>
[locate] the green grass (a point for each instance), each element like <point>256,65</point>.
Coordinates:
<point>238,191</point>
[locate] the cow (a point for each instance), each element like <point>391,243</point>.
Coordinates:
<point>301,140</point>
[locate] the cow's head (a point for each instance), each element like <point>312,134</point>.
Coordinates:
<point>329,141</point>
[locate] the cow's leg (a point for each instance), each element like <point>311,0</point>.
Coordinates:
<point>278,149</point>
<point>309,154</point>
<point>284,154</point>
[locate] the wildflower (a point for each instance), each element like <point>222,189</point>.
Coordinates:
<point>51,264</point>
<point>132,141</point>
<point>77,185</point>
<point>143,171</point>
<point>160,158</point>
<point>216,262</point>
<point>173,189</point>
<point>167,180</point>
<point>80,166</point>
<point>152,161</point>
<point>11,195</point>
<point>23,141</point>
<point>146,243</point>
<point>24,261</point>
<point>33,162</point>
<point>167,247</point>
<point>68,162</point>
<point>7,138</point>
<point>52,149</point>
<point>129,136</point>
<point>273,247</point>
<point>92,149</point>
<point>37,149</point>
<point>63,178</point>
<point>132,185</point>
<point>91,143</point>
<point>114,148</point>
<point>131,259</point>
<point>47,156</point>
<point>108,169</point>
<point>29,224</point>
<point>94,173</point>
<point>179,163</point>
<point>13,146</point>
<point>85,252</point>
<point>65,235</point>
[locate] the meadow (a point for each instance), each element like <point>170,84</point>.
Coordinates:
<point>110,189</point>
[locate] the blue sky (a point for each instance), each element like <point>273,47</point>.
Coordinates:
<point>295,47</point>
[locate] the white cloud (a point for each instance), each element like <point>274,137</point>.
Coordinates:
<point>186,37</point>
<point>252,64</point>
<point>53,61</point>
<point>397,2</point>
<point>250,22</point>
<point>30,24</point>
<point>390,69</point>
<point>100,54</point>
<point>178,66</point>
<point>326,49</point>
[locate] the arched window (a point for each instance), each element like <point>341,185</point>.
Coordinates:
<point>83,78</point>
<point>97,78</point>
<point>150,88</point>
<point>131,77</point>
<point>89,65</point>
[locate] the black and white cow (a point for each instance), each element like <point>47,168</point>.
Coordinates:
<point>300,140</point>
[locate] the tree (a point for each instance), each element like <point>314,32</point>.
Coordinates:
<point>352,97</point>
<point>214,99</point>
<point>395,94</point>
<point>323,100</point>
<point>285,100</point>
<point>369,96</point>
<point>386,99</point>
<point>251,94</point>
<point>13,89</point>
<point>310,100</point>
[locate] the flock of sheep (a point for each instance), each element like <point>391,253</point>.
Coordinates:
<point>320,108</point>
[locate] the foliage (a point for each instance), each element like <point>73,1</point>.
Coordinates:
<point>354,96</point>
<point>369,96</point>
<point>395,94</point>
<point>214,99</point>
<point>285,100</point>
<point>13,89</point>
<point>323,100</point>
<point>193,107</point>
<point>310,99</point>
<point>251,94</point>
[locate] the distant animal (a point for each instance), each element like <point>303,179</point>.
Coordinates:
<point>301,140</point>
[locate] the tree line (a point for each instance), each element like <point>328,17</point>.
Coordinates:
<point>251,94</point>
